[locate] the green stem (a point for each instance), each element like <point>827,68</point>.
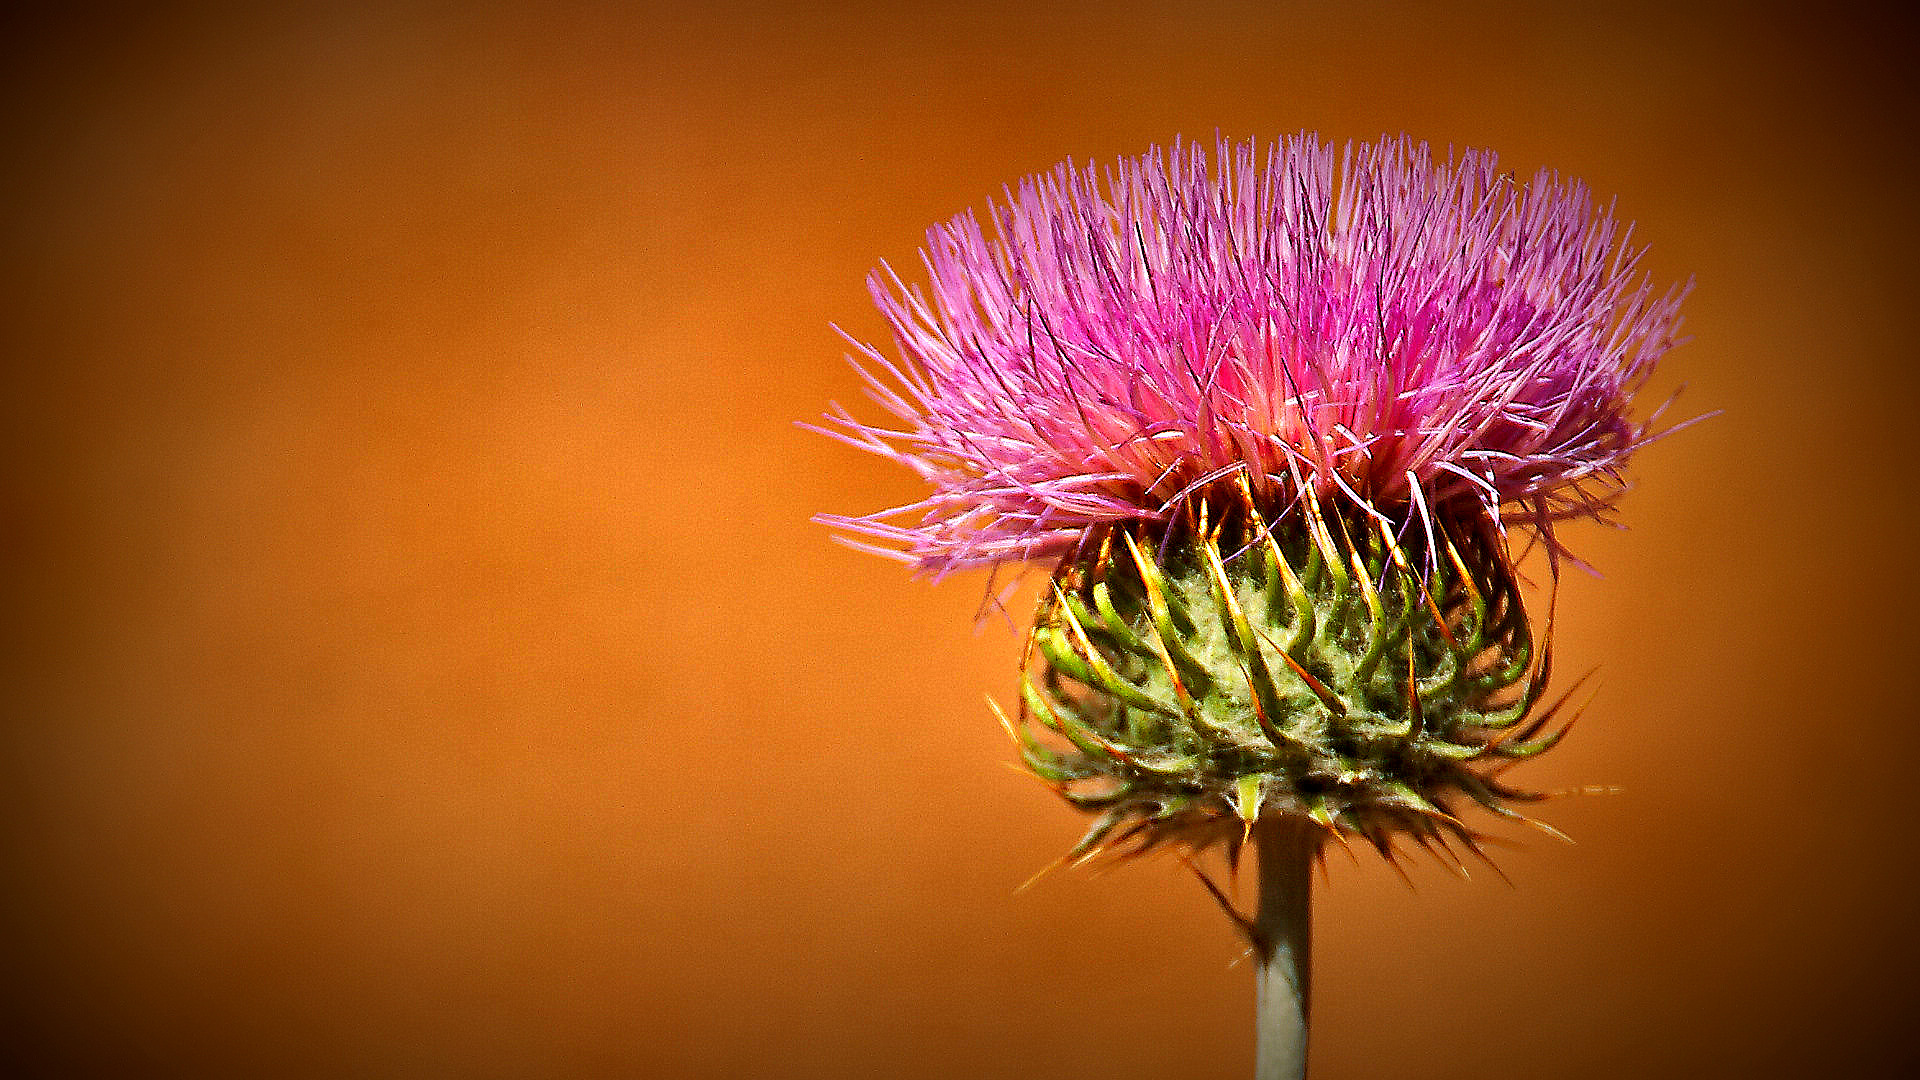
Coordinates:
<point>1282,941</point>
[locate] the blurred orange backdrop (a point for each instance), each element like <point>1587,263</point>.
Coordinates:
<point>424,665</point>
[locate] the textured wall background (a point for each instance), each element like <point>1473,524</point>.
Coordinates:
<point>422,664</point>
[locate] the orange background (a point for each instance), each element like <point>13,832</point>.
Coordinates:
<point>422,664</point>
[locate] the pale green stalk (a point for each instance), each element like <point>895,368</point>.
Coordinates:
<point>1282,941</point>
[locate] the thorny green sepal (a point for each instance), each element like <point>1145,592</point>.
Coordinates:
<point>1196,679</point>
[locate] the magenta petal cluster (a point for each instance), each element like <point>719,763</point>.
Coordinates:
<point>1415,335</point>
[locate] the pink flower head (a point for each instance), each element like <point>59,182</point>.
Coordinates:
<point>1413,336</point>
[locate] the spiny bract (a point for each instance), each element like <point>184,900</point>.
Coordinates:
<point>1185,691</point>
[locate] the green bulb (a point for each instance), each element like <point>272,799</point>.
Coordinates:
<point>1186,680</point>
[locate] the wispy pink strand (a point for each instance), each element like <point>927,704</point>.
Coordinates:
<point>1418,335</point>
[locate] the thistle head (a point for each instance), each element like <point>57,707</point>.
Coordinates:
<point>1271,415</point>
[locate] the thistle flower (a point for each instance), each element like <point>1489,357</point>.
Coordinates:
<point>1275,418</point>
<point>1398,331</point>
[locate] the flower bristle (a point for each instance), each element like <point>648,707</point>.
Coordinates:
<point>1408,331</point>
